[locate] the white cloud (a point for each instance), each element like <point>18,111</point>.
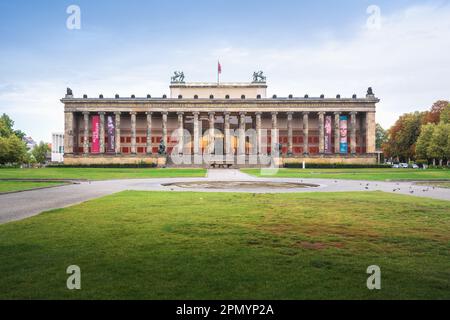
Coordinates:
<point>407,62</point>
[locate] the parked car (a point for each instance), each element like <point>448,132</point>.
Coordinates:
<point>404,165</point>
<point>415,166</point>
<point>396,166</point>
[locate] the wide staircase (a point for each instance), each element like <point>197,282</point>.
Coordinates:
<point>216,162</point>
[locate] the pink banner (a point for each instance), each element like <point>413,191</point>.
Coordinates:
<point>95,148</point>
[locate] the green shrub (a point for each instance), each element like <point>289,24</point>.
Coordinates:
<point>335,166</point>
<point>131,165</point>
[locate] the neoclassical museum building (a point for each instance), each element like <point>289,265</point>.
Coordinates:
<point>228,121</point>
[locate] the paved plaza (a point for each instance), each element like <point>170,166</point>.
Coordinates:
<point>18,206</point>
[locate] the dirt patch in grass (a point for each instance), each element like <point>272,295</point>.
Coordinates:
<point>318,245</point>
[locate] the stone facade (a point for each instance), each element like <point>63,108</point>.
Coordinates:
<point>233,120</point>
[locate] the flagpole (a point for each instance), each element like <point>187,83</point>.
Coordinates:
<point>218,73</point>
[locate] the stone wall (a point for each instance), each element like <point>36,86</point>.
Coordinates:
<point>108,160</point>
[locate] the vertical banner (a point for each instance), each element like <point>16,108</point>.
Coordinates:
<point>328,134</point>
<point>95,148</point>
<point>111,134</point>
<point>343,125</point>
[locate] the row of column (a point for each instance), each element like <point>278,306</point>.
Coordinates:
<point>370,133</point>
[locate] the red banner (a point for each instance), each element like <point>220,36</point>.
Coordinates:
<point>95,148</point>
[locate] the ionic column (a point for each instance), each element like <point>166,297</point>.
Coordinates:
<point>68,132</point>
<point>212,120</point>
<point>196,134</point>
<point>258,133</point>
<point>274,134</point>
<point>289,126</point>
<point>102,132</point>
<point>370,132</point>
<point>227,133</point>
<point>117,120</point>
<point>149,132</point>
<point>305,133</point>
<point>164,128</point>
<point>180,132</point>
<point>321,132</point>
<point>353,132</point>
<point>86,133</point>
<point>133,132</point>
<point>337,134</point>
<point>241,150</point>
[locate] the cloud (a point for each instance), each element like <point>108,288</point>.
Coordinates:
<point>406,61</point>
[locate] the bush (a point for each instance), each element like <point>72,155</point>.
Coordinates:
<point>106,166</point>
<point>335,166</point>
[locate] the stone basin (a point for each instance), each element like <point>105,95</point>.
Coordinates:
<point>240,185</point>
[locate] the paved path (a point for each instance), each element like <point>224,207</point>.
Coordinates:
<point>17,206</point>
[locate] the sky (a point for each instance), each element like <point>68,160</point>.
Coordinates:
<point>304,47</point>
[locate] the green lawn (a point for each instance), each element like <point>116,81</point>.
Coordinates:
<point>157,245</point>
<point>8,186</point>
<point>360,174</point>
<point>98,173</point>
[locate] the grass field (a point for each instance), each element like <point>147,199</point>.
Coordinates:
<point>360,174</point>
<point>98,173</point>
<point>8,186</point>
<point>157,245</point>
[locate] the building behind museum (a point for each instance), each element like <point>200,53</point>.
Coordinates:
<point>57,147</point>
<point>245,121</point>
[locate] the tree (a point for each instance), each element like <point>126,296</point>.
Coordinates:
<point>381,136</point>
<point>434,115</point>
<point>40,151</point>
<point>424,140</point>
<point>403,135</point>
<point>438,148</point>
<point>12,150</point>
<point>445,114</point>
<point>6,126</point>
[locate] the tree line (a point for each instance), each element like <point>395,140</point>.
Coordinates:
<point>13,149</point>
<point>423,137</point>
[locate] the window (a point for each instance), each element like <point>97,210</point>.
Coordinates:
<point>196,97</point>
<point>180,97</point>
<point>258,96</point>
<point>243,97</point>
<point>211,97</point>
<point>227,96</point>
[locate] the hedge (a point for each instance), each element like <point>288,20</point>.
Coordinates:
<point>109,166</point>
<point>337,166</point>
